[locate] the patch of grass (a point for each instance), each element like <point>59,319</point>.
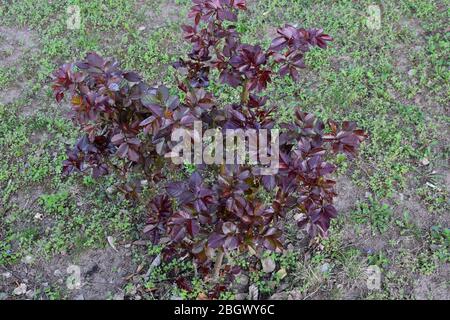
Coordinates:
<point>378,259</point>
<point>440,243</point>
<point>377,215</point>
<point>55,203</point>
<point>5,76</point>
<point>407,225</point>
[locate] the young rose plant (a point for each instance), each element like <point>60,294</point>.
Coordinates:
<point>127,128</point>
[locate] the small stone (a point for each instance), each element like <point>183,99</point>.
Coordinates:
<point>425,161</point>
<point>268,265</point>
<point>240,283</point>
<point>57,273</point>
<point>141,28</point>
<point>28,259</point>
<point>242,279</point>
<point>38,216</point>
<point>20,290</point>
<point>6,275</point>
<point>325,268</point>
<point>79,297</point>
<point>3,296</point>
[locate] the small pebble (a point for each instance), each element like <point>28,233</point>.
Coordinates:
<point>28,259</point>
<point>325,268</point>
<point>20,290</point>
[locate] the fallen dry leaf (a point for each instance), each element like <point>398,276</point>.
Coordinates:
<point>111,241</point>
<point>281,273</point>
